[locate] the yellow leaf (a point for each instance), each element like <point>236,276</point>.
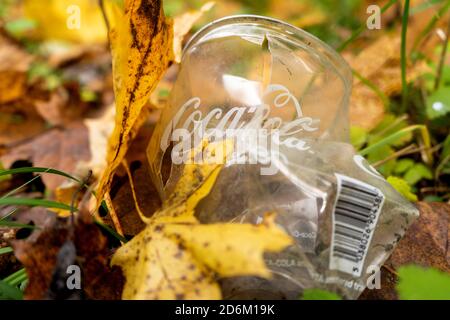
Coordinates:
<point>183,23</point>
<point>143,45</point>
<point>79,21</point>
<point>232,249</point>
<point>180,260</point>
<point>157,267</point>
<point>175,257</point>
<point>64,194</point>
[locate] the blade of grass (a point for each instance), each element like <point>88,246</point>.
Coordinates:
<point>9,292</point>
<point>363,27</point>
<point>12,192</point>
<point>399,134</point>
<point>16,278</point>
<point>34,203</point>
<point>37,170</point>
<point>431,24</point>
<point>12,224</point>
<point>111,231</point>
<point>6,250</point>
<point>403,57</point>
<point>8,214</point>
<point>18,274</point>
<point>425,6</point>
<point>440,69</point>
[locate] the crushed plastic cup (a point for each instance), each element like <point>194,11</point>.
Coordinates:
<point>281,95</point>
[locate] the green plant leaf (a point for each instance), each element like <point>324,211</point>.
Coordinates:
<point>418,172</point>
<point>432,198</point>
<point>20,26</point>
<point>34,203</point>
<point>6,250</point>
<point>438,103</point>
<point>403,165</point>
<point>319,294</point>
<point>402,187</point>
<point>358,137</point>
<point>380,154</point>
<point>400,134</point>
<point>417,283</point>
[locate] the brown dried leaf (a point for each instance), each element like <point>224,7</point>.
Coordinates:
<point>182,24</point>
<point>56,148</point>
<point>39,257</point>
<point>426,243</point>
<point>141,43</point>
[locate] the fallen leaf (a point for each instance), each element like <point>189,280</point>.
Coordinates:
<point>99,130</point>
<point>64,194</point>
<point>19,121</point>
<point>182,24</point>
<point>43,256</point>
<point>146,194</point>
<point>372,59</point>
<point>426,244</point>
<point>301,14</point>
<point>14,63</point>
<point>79,21</point>
<point>143,46</point>
<point>56,148</point>
<point>379,64</point>
<point>175,257</point>
<point>141,43</point>
<point>366,107</point>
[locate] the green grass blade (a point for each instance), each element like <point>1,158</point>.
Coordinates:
<point>12,224</point>
<point>8,292</point>
<point>34,203</point>
<point>403,57</point>
<point>111,231</point>
<point>37,170</point>
<point>18,280</point>
<point>6,250</point>
<point>18,274</point>
<point>399,134</point>
<point>430,26</point>
<point>361,29</point>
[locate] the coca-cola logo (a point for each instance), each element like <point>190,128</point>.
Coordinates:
<point>258,131</point>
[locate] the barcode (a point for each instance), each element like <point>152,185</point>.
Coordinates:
<point>355,216</point>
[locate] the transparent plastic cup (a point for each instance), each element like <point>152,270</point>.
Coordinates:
<point>283,95</point>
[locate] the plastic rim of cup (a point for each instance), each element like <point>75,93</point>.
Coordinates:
<point>289,32</point>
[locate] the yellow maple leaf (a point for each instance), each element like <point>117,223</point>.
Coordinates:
<point>176,257</point>
<point>79,21</point>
